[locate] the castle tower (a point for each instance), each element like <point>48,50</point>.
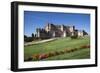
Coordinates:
<point>64,34</point>
<point>48,27</point>
<point>38,32</point>
<point>62,28</point>
<point>71,30</point>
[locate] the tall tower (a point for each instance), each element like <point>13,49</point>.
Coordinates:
<point>38,32</point>
<point>62,28</point>
<point>48,27</point>
<point>71,30</point>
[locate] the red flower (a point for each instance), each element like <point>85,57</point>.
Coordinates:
<point>43,56</point>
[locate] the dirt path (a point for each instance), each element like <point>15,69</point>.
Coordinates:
<point>31,43</point>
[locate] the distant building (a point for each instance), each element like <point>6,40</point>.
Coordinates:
<point>52,30</point>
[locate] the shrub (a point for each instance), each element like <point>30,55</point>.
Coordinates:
<point>88,46</point>
<point>75,49</point>
<point>62,52</point>
<point>68,51</point>
<point>51,54</point>
<point>29,59</point>
<point>57,53</point>
<point>43,56</point>
<point>72,50</point>
<point>28,39</point>
<point>83,46</point>
<point>74,37</point>
<point>36,57</point>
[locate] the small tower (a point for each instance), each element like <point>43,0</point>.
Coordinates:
<point>64,34</point>
<point>38,32</point>
<point>71,30</point>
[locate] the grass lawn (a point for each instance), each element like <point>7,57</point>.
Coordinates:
<point>58,45</point>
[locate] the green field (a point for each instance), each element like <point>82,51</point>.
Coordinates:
<point>59,45</point>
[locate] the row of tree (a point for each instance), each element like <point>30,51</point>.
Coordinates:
<point>31,38</point>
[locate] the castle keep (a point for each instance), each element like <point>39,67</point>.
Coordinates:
<point>52,30</point>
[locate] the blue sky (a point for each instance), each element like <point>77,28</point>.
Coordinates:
<point>33,20</point>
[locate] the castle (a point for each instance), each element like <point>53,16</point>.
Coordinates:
<point>52,31</point>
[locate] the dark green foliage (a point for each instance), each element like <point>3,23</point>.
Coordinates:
<point>33,35</point>
<point>74,37</point>
<point>25,36</point>
<point>28,39</point>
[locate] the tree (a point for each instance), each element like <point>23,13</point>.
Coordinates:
<point>28,39</point>
<point>74,37</point>
<point>32,35</point>
<point>25,36</point>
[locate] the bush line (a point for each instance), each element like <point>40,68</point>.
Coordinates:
<point>37,57</point>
